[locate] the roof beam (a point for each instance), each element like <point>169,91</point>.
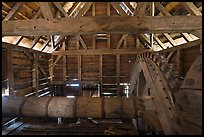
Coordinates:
<point>182,46</point>
<point>118,8</point>
<point>17,40</point>
<point>191,8</point>
<point>35,41</point>
<point>165,12</point>
<point>82,11</point>
<point>61,9</point>
<point>46,9</point>
<point>140,9</point>
<point>13,11</point>
<point>158,41</point>
<point>169,38</point>
<point>46,43</point>
<point>100,51</point>
<point>162,9</point>
<point>109,24</point>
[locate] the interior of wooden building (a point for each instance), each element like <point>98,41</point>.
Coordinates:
<point>101,68</point>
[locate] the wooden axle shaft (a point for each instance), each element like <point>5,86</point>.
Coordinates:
<point>83,107</point>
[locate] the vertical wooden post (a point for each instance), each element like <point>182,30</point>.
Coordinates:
<point>94,35</point>
<point>94,9</point>
<point>180,63</point>
<point>36,78</point>
<point>108,8</point>
<point>100,72</point>
<point>118,73</point>
<point>51,69</point>
<point>108,35</point>
<point>10,78</point>
<point>79,67</point>
<point>77,39</point>
<point>94,41</point>
<point>108,40</point>
<point>137,41</point>
<point>64,63</point>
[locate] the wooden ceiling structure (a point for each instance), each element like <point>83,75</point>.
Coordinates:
<point>150,50</point>
<point>28,14</point>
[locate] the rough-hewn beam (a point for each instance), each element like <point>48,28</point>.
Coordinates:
<point>101,51</point>
<point>109,24</point>
<point>13,11</point>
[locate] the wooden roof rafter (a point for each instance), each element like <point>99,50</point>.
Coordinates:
<point>81,12</point>
<point>13,11</point>
<point>165,11</point>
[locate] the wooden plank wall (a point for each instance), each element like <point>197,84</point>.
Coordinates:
<point>23,67</point>
<point>90,64</point>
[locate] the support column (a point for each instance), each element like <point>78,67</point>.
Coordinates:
<point>64,63</point>
<point>118,73</point>
<point>35,75</point>
<point>51,69</point>
<point>100,73</point>
<point>79,67</point>
<point>10,78</point>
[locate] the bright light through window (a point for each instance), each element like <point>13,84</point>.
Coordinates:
<point>73,85</point>
<point>70,96</point>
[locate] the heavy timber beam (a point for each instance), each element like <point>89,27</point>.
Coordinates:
<point>71,107</point>
<point>108,24</point>
<point>101,51</point>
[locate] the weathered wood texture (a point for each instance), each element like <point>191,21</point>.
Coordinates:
<point>108,24</point>
<point>22,62</point>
